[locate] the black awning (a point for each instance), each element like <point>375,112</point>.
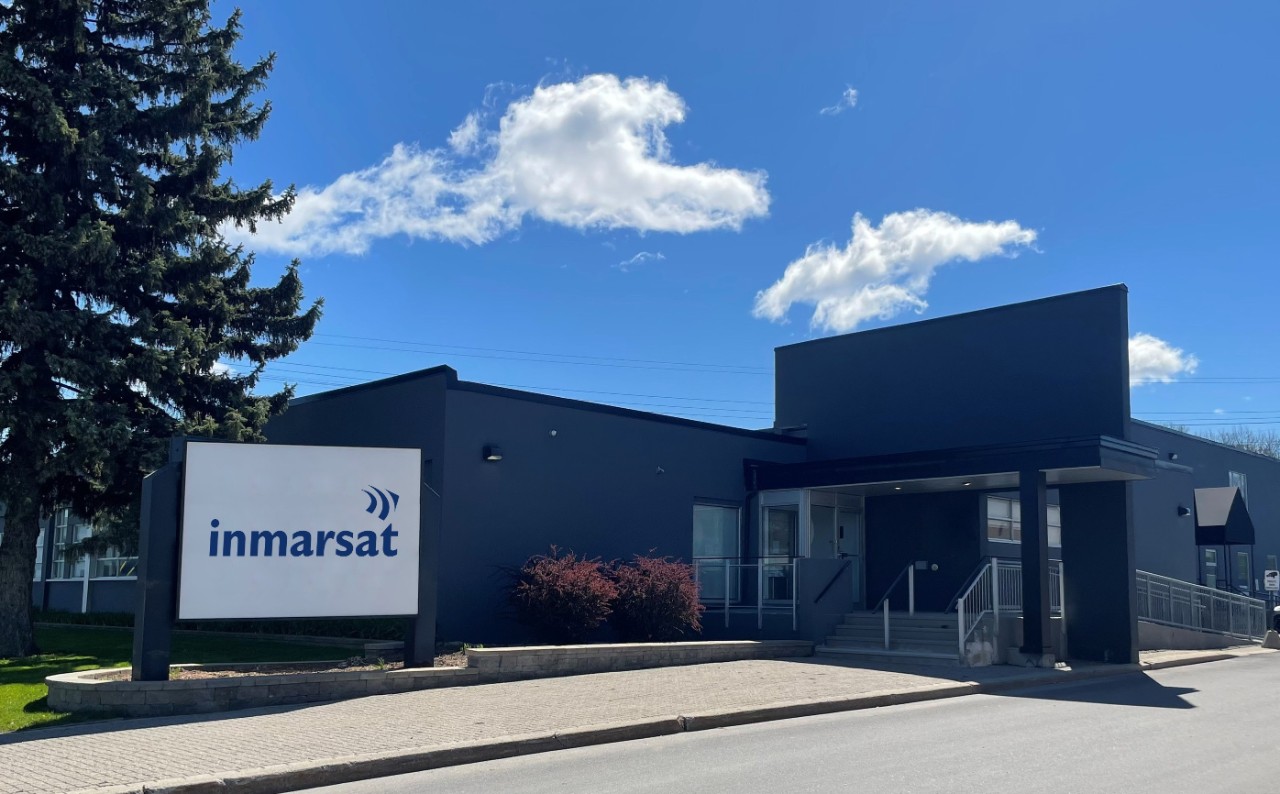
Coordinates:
<point>1222,518</point>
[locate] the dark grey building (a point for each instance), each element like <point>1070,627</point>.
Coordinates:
<point>941,467</point>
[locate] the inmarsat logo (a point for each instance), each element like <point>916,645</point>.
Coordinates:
<point>388,506</point>
<point>312,543</point>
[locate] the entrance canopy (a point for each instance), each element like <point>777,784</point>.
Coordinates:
<point>1222,519</point>
<point>1064,461</point>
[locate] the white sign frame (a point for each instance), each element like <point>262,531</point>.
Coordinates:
<point>1271,581</point>
<point>300,532</point>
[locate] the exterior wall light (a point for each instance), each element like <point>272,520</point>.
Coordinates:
<point>1173,456</point>
<point>1183,512</point>
<point>492,453</point>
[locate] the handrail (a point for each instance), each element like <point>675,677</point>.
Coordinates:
<point>839,571</point>
<point>967,586</point>
<point>973,605</point>
<point>1173,602</point>
<point>910,566</point>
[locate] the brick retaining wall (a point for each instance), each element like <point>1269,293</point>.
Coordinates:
<point>87,692</point>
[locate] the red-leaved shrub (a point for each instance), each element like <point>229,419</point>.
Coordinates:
<point>657,600</point>
<point>561,597</point>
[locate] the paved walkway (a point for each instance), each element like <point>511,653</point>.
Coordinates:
<point>130,752</point>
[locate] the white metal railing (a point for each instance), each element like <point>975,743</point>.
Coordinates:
<point>1173,602</point>
<point>978,603</point>
<point>1009,577</point>
<point>997,588</point>
<point>720,582</point>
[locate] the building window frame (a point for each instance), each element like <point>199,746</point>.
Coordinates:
<point>1242,576</point>
<point>1239,480</point>
<point>116,560</point>
<point>67,530</point>
<point>713,568</point>
<point>1209,562</point>
<point>1006,521</point>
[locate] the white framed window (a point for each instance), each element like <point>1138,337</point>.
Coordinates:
<point>114,565</point>
<point>1004,521</point>
<point>68,529</point>
<point>39,574</point>
<point>1243,572</point>
<point>1210,567</point>
<point>717,541</point>
<point>1271,563</point>
<point>1239,480</point>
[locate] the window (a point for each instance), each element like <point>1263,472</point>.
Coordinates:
<point>39,574</point>
<point>1271,563</point>
<point>1210,567</point>
<point>1242,482</point>
<point>114,564</point>
<point>67,529</point>
<point>1242,570</point>
<point>716,540</point>
<point>781,533</point>
<point>1004,521</point>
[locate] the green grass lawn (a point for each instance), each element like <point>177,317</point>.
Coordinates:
<point>23,695</point>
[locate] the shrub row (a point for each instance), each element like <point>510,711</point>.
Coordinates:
<point>563,598</point>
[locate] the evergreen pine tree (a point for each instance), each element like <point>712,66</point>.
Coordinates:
<point>118,293</point>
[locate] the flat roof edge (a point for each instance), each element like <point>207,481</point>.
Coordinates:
<point>586,405</point>
<point>988,310</point>
<point>1202,439</point>
<point>442,369</point>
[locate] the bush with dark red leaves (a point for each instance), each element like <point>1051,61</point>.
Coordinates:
<point>657,600</point>
<point>562,597</point>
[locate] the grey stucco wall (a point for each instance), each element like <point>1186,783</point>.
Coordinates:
<point>594,487</point>
<point>1046,369</point>
<point>1166,543</point>
<point>938,528</point>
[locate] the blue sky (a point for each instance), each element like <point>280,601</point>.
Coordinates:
<point>476,175</point>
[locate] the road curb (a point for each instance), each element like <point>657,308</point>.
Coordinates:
<point>334,771</point>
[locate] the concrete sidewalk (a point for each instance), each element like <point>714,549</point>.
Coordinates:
<point>285,748</point>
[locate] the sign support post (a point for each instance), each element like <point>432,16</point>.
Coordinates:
<point>157,568</point>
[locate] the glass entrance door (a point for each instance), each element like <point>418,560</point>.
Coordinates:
<point>781,530</point>
<point>822,532</point>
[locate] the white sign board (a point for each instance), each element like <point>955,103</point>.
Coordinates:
<point>1271,581</point>
<point>274,531</point>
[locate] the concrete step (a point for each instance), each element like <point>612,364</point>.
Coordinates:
<point>895,618</point>
<point>899,625</point>
<point>882,655</point>
<point>913,644</point>
<point>896,631</point>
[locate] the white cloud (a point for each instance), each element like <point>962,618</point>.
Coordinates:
<point>643,256</point>
<point>1219,411</point>
<point>884,270</point>
<point>589,154</point>
<point>1153,360</point>
<point>219,368</point>
<point>466,136</point>
<point>847,100</point>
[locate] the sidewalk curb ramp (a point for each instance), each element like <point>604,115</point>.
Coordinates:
<point>348,769</point>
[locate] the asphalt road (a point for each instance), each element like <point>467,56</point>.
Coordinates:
<point>1203,728</point>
